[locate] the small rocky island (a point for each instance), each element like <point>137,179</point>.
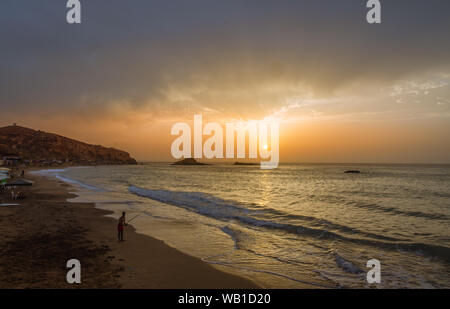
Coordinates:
<point>352,172</point>
<point>245,163</point>
<point>189,161</point>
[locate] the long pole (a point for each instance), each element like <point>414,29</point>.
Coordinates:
<point>134,217</point>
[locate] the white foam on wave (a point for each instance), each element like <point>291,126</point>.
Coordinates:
<point>48,171</point>
<point>57,174</point>
<point>212,206</point>
<point>346,265</point>
<point>79,183</point>
<point>232,233</point>
<point>203,203</point>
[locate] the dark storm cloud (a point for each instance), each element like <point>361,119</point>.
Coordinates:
<point>133,51</point>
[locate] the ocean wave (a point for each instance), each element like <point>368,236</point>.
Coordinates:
<point>209,205</point>
<point>233,234</point>
<point>238,236</point>
<point>79,183</point>
<point>48,172</point>
<point>331,225</point>
<point>395,211</point>
<point>277,274</point>
<point>346,265</point>
<point>342,200</point>
<point>432,250</point>
<point>56,173</point>
<point>203,203</point>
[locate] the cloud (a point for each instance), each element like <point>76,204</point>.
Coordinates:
<point>234,57</point>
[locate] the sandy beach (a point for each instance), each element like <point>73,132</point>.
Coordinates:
<point>41,234</point>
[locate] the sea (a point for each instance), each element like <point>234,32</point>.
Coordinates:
<point>297,226</point>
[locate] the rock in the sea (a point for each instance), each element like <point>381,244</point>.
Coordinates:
<point>41,148</point>
<point>352,172</point>
<point>245,163</point>
<point>189,161</point>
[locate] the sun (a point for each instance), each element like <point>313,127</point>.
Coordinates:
<point>265,147</point>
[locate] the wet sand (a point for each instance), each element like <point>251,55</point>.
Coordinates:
<point>45,231</point>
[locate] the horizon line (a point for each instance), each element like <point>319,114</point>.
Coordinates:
<point>284,163</point>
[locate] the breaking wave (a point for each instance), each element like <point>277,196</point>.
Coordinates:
<point>225,210</point>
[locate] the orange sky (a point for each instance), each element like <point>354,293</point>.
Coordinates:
<point>311,140</point>
<point>343,90</point>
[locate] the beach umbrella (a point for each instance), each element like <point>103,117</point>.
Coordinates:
<point>18,183</point>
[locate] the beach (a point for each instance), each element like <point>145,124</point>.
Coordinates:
<point>293,227</point>
<point>41,234</point>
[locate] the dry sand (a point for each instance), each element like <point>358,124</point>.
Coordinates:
<point>45,231</point>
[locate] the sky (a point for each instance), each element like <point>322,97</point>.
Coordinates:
<point>343,90</point>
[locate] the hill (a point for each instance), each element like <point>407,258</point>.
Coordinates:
<point>42,148</point>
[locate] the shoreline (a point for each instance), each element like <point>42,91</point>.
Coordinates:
<point>47,230</point>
